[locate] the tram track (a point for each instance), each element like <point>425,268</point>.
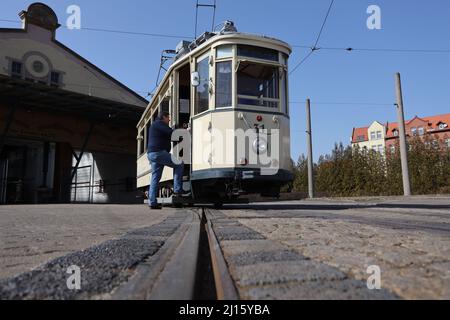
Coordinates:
<point>189,266</point>
<point>225,288</point>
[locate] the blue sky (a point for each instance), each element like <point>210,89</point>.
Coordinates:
<point>328,76</point>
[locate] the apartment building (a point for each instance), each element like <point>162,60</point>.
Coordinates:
<point>380,137</point>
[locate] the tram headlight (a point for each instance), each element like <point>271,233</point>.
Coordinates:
<point>260,146</point>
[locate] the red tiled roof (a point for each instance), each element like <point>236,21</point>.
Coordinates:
<point>390,127</point>
<point>433,124</point>
<point>360,135</point>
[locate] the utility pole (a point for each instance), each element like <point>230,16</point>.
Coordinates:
<point>402,135</point>
<point>310,150</point>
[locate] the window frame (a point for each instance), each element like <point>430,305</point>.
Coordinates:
<point>15,74</point>
<point>205,56</point>
<point>421,131</point>
<point>279,91</point>
<point>256,58</point>
<point>141,142</point>
<point>282,73</point>
<point>216,82</point>
<point>53,83</point>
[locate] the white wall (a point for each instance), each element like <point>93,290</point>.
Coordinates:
<point>113,169</point>
<point>77,76</point>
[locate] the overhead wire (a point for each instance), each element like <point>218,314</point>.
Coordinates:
<point>346,103</point>
<point>314,47</point>
<point>137,33</point>
<point>350,49</point>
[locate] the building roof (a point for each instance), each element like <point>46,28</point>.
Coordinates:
<point>55,100</point>
<point>360,134</point>
<point>42,16</point>
<point>432,124</point>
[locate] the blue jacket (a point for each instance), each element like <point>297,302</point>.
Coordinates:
<point>159,137</point>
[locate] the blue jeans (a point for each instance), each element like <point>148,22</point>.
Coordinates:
<point>158,160</point>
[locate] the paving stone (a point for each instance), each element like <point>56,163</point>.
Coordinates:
<point>285,271</point>
<point>236,233</point>
<point>31,235</point>
<point>103,267</point>
<point>328,290</point>
<point>410,245</point>
<point>252,258</point>
<point>232,247</point>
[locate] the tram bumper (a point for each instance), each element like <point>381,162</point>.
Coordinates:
<point>282,176</point>
<point>244,180</point>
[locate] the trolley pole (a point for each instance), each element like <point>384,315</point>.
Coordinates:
<point>310,150</point>
<point>402,135</point>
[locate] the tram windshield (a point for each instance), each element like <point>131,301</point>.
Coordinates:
<point>258,84</point>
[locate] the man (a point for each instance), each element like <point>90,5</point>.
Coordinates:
<point>159,145</point>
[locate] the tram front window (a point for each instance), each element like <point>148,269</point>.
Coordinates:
<point>257,85</point>
<point>224,84</point>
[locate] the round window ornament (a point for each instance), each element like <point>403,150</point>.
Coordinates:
<point>37,66</point>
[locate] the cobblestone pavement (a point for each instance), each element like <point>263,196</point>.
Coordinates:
<point>317,249</point>
<point>321,249</point>
<point>102,268</point>
<point>33,235</point>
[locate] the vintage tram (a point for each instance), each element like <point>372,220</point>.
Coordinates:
<point>231,90</point>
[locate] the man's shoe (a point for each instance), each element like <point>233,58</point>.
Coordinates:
<point>156,207</point>
<point>181,194</point>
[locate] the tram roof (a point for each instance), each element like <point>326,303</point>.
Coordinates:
<point>233,37</point>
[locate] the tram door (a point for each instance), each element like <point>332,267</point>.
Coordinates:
<point>182,112</point>
<point>201,118</point>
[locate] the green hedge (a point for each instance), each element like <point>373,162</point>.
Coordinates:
<point>352,172</point>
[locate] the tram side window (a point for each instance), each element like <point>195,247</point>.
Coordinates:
<point>202,90</point>
<point>141,147</point>
<point>224,52</point>
<point>146,136</point>
<point>223,84</point>
<point>165,105</point>
<point>286,96</point>
<point>258,85</point>
<point>285,93</point>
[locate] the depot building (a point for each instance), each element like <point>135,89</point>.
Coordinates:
<point>67,128</point>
